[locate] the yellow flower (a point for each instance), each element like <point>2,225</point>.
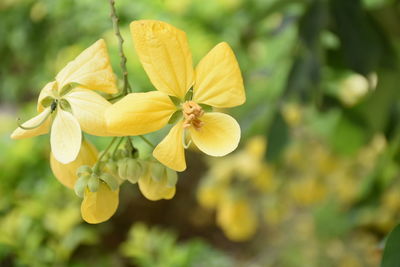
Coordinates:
<point>217,82</point>
<point>158,182</point>
<point>237,219</point>
<point>66,173</point>
<point>99,206</point>
<point>67,105</point>
<point>211,191</point>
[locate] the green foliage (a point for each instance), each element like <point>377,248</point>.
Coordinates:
<point>392,247</point>
<point>148,247</point>
<point>299,52</point>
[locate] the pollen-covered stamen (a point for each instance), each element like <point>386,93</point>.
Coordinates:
<point>192,113</point>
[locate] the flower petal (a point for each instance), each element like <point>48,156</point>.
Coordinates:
<point>155,190</point>
<point>46,91</point>
<point>164,53</point>
<point>66,173</point>
<point>99,206</point>
<point>170,151</point>
<point>91,69</point>
<point>139,113</point>
<point>218,81</point>
<point>20,133</point>
<point>219,135</point>
<point>65,137</point>
<point>88,108</point>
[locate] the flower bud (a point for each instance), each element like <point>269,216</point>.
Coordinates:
<point>84,170</point>
<point>93,183</point>
<point>134,170</point>
<point>110,181</point>
<point>112,168</point>
<point>123,168</point>
<point>67,173</point>
<point>81,184</point>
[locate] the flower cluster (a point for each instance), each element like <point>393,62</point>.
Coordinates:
<point>234,185</point>
<point>75,102</point>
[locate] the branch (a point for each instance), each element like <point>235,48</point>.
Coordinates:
<point>127,87</point>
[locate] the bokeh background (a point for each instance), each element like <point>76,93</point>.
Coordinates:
<point>315,181</point>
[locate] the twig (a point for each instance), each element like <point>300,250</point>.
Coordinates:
<point>146,141</point>
<point>127,87</point>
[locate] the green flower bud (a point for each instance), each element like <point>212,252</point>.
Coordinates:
<point>81,185</point>
<point>110,181</point>
<point>112,167</point>
<point>93,183</point>
<point>134,170</point>
<point>123,168</point>
<point>84,170</point>
<point>172,177</point>
<point>157,171</point>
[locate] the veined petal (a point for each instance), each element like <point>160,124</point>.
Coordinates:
<point>139,113</point>
<point>218,80</point>
<point>88,108</point>
<point>65,137</point>
<point>164,53</point>
<point>98,207</point>
<point>20,133</point>
<point>155,190</point>
<point>170,151</point>
<point>219,135</point>
<point>66,173</point>
<point>46,91</point>
<point>91,69</point>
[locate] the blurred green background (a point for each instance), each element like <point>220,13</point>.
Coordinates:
<point>322,85</point>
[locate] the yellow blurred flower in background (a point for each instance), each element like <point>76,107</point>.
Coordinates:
<point>237,219</point>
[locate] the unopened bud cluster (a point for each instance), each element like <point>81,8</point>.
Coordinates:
<point>90,179</point>
<point>122,165</point>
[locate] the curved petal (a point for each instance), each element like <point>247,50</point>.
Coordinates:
<point>219,135</point>
<point>218,81</point>
<point>65,137</point>
<point>20,133</point>
<point>170,151</point>
<point>88,108</point>
<point>91,69</point>
<point>164,53</point>
<point>46,91</point>
<point>139,113</point>
<point>98,207</point>
<point>155,190</point>
<point>66,173</point>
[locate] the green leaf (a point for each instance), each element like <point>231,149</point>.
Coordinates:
<point>175,100</point>
<point>278,137</point>
<point>392,248</point>
<point>363,42</point>
<point>175,117</point>
<point>349,134</point>
<point>206,108</point>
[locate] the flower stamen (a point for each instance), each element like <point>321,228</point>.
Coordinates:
<point>192,113</point>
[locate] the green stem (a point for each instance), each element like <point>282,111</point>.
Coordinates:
<point>97,165</point>
<point>127,87</point>
<point>146,141</point>
<point>117,146</point>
